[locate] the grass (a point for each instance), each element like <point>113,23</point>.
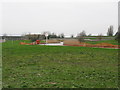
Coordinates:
<point>35,66</point>
<point>0,65</point>
<point>114,42</point>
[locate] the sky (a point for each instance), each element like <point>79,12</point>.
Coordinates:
<point>58,16</point>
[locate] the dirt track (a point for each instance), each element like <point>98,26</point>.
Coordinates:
<point>100,45</point>
<point>80,44</point>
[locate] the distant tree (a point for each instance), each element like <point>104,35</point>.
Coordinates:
<point>53,35</point>
<point>110,31</point>
<point>81,39</point>
<point>100,36</point>
<point>43,33</point>
<point>62,35</point>
<point>83,33</point>
<point>117,35</point>
<point>34,37</point>
<point>58,36</point>
<point>81,36</point>
<point>24,36</point>
<point>46,32</point>
<point>4,36</point>
<point>89,34</point>
<point>41,37</point>
<point>72,36</point>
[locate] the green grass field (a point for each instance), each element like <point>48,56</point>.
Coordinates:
<point>114,42</point>
<point>0,65</point>
<point>35,66</point>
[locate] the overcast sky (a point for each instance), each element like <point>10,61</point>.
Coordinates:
<point>58,16</point>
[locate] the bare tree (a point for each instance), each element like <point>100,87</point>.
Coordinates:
<point>46,32</point>
<point>110,31</point>
<point>72,36</point>
<point>83,33</point>
<point>62,35</point>
<point>100,36</point>
<point>81,36</point>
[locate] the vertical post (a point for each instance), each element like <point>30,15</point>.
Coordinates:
<point>46,37</point>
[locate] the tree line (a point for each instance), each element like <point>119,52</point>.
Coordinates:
<point>80,36</point>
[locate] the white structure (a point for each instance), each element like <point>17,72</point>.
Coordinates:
<point>54,44</point>
<point>46,35</point>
